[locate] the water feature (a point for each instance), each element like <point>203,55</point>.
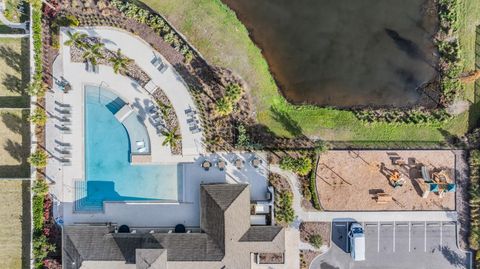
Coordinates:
<point>345,52</point>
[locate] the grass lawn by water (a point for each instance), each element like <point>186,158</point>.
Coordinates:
<point>224,41</point>
<point>14,72</point>
<point>15,223</point>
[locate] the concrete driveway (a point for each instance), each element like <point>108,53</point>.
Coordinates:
<point>397,245</point>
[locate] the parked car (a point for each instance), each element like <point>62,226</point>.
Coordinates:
<point>357,242</point>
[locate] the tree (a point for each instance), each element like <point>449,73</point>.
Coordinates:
<point>38,158</point>
<point>76,39</point>
<point>37,88</point>
<point>39,117</point>
<point>93,52</point>
<point>301,165</point>
<point>224,107</point>
<point>119,62</point>
<point>171,138</point>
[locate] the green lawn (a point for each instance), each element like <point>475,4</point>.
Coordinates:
<point>224,41</point>
<point>15,223</point>
<point>14,72</point>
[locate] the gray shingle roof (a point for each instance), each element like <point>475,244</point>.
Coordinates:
<point>261,234</point>
<point>151,258</point>
<point>98,243</point>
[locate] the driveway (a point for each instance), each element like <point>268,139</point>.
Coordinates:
<point>397,245</point>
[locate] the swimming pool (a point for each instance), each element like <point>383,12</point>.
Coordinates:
<point>109,175</point>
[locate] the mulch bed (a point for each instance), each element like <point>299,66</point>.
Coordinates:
<point>270,258</point>
<point>171,121</point>
<point>132,69</point>
<point>308,229</point>
<point>306,257</point>
<point>279,183</point>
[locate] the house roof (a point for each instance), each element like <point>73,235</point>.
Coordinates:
<point>224,219</point>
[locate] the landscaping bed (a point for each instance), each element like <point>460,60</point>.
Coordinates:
<point>306,257</point>
<point>323,229</point>
<point>132,70</point>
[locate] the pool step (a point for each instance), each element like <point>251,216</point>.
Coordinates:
<point>82,204</point>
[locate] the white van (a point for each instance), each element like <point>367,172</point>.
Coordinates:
<point>357,242</point>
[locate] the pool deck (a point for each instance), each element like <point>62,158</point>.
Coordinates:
<point>186,212</point>
<point>63,177</point>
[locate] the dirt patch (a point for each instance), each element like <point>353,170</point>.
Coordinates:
<point>351,180</point>
<point>308,229</point>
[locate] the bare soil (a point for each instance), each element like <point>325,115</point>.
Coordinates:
<point>350,180</point>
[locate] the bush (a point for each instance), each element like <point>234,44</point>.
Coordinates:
<point>223,107</point>
<point>38,158</point>
<point>284,212</point>
<point>301,165</point>
<point>39,117</point>
<point>41,249</point>
<point>315,240</point>
<point>474,192</point>
<point>313,190</point>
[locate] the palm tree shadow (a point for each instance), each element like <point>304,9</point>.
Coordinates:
<point>286,121</point>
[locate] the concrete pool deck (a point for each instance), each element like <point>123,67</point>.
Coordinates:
<point>133,213</point>
<point>187,211</point>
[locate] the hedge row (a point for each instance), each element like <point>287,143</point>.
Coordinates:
<point>449,49</point>
<point>413,116</point>
<point>474,239</point>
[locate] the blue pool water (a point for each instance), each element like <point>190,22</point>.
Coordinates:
<point>109,174</point>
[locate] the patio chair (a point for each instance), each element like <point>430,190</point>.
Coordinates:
<point>162,68</point>
<point>256,162</point>
<point>197,130</point>
<point>221,164</point>
<point>206,165</point>
<point>239,163</point>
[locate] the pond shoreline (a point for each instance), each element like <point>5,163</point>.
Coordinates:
<point>415,96</point>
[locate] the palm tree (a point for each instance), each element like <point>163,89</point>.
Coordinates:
<point>171,137</point>
<point>119,62</point>
<point>75,39</point>
<point>93,52</point>
<point>224,107</point>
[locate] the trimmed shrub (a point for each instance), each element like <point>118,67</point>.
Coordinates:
<point>301,165</point>
<point>315,240</point>
<point>39,117</point>
<point>284,212</point>
<point>38,159</point>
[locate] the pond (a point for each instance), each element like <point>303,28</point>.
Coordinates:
<point>346,53</point>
